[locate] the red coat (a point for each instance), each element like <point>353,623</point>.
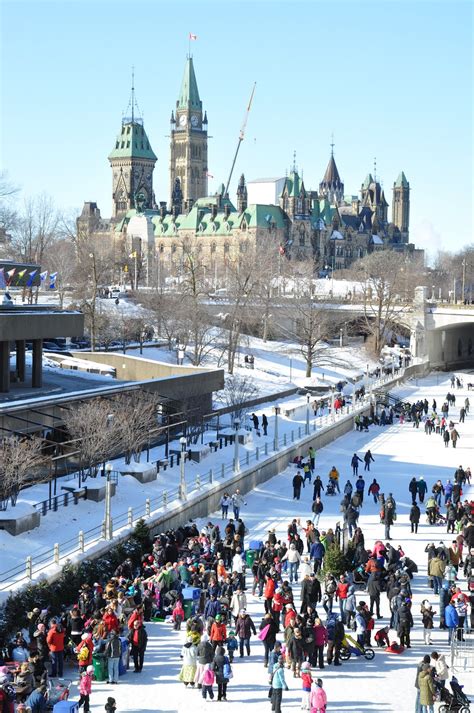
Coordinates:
<point>269,588</point>
<point>341,590</point>
<point>218,632</point>
<point>55,639</point>
<point>134,616</point>
<point>90,646</point>
<point>111,622</point>
<point>278,602</point>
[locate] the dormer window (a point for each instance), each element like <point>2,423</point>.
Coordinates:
<point>244,226</point>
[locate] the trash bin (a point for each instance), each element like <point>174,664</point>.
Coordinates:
<point>66,707</point>
<point>124,660</point>
<point>250,557</point>
<point>191,593</point>
<point>188,607</point>
<point>99,661</point>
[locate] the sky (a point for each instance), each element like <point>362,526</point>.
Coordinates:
<point>390,80</point>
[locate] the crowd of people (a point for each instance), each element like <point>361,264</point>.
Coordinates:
<point>322,595</point>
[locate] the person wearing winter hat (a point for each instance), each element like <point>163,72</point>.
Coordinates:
<point>317,698</point>
<point>85,688</point>
<point>111,705</point>
<point>306,682</point>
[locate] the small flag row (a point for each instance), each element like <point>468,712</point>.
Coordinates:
<point>14,277</point>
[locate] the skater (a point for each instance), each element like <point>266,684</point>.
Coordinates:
<point>317,487</point>
<point>388,515</point>
<point>264,424</point>
<point>255,422</point>
<point>360,487</point>
<point>297,483</point>
<point>454,437</point>
<point>421,488</point>
<point>355,464</point>
<point>226,500</point>
<point>85,688</point>
<point>413,489</point>
<point>415,514</point>
<point>427,616</point>
<point>318,698</point>
<point>208,681</point>
<point>368,458</point>
<point>374,490</point>
<point>237,502</point>
<point>312,458</point>
<point>278,684</point>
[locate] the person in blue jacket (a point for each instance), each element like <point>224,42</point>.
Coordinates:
<point>451,620</point>
<point>278,684</point>
<point>316,554</point>
<point>422,488</point>
<point>37,700</point>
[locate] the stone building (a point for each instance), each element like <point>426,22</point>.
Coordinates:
<point>325,225</point>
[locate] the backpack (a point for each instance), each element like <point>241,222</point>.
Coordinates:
<point>83,654</point>
<point>227,669</point>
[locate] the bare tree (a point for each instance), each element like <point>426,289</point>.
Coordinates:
<point>61,257</point>
<point>241,281</point>
<point>21,461</point>
<point>97,428</point>
<point>237,391</point>
<point>307,317</point>
<point>136,413</point>
<point>384,278</point>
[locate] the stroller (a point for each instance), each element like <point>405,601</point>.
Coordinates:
<point>350,647</point>
<point>330,488</point>
<point>58,690</point>
<point>457,702</point>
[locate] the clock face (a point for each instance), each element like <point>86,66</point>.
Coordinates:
<point>183,120</point>
<point>194,120</point>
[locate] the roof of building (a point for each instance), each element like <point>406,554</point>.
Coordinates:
<point>189,94</point>
<point>132,142</point>
<point>331,177</point>
<point>401,181</point>
<point>368,180</point>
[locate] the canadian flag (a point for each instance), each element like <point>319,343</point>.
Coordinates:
<point>209,175</point>
<point>192,37</point>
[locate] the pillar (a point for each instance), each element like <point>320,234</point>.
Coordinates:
<point>4,367</point>
<point>20,359</point>
<point>37,367</point>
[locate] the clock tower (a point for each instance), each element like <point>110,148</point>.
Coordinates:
<point>188,145</point>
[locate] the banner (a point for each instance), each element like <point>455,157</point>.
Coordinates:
<point>3,284</point>
<point>52,280</point>
<point>43,275</point>
<point>31,278</point>
<point>10,274</point>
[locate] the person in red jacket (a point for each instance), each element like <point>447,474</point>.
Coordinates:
<point>218,633</point>
<point>269,591</point>
<point>341,594</point>
<point>110,620</point>
<point>136,615</point>
<point>320,641</point>
<point>278,603</point>
<point>55,641</point>
<point>84,652</point>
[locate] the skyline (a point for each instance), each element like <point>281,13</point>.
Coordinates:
<point>391,81</point>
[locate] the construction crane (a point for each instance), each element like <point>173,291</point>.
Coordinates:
<point>241,138</point>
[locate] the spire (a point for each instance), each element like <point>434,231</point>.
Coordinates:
<point>189,94</point>
<point>332,144</point>
<point>331,186</point>
<point>133,93</point>
<point>401,181</point>
<point>294,162</point>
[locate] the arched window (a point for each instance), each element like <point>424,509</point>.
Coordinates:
<point>226,248</point>
<point>213,247</point>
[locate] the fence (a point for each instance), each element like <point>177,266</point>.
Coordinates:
<point>462,650</point>
<point>41,560</point>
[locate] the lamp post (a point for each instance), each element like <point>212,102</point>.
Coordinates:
<point>308,396</point>
<point>291,368</point>
<point>333,413</point>
<point>276,411</point>
<point>236,445</point>
<point>182,477</point>
<point>463,296</point>
<point>108,496</point>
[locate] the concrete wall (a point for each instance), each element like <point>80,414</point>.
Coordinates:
<point>134,368</point>
<point>25,323</point>
<point>451,347</point>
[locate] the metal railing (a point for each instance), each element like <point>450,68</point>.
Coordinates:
<point>38,561</point>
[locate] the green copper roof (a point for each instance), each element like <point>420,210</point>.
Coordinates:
<point>368,180</point>
<point>401,181</point>
<point>189,95</point>
<point>292,184</point>
<point>132,142</point>
<point>262,216</point>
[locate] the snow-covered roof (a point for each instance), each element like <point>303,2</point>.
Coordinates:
<point>336,235</point>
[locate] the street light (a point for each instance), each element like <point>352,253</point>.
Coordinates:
<point>108,496</point>
<point>308,396</point>
<point>182,478</point>
<point>291,368</point>
<point>333,413</point>
<point>276,411</point>
<point>236,446</point>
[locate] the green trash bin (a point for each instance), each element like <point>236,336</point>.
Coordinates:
<point>99,661</point>
<point>250,557</point>
<point>188,608</point>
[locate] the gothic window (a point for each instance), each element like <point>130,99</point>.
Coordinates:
<point>244,226</point>
<point>128,144</point>
<point>117,143</point>
<point>173,248</point>
<point>123,144</point>
<point>213,247</point>
<point>162,248</point>
<point>302,240</point>
<point>226,248</point>
<point>128,129</point>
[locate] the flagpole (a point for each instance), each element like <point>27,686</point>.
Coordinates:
<point>189,45</point>
<point>135,264</point>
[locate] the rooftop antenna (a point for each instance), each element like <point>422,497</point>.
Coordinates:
<point>133,93</point>
<point>241,137</point>
<point>375,169</point>
<point>332,144</point>
<point>294,161</point>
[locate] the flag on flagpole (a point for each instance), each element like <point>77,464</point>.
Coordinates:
<point>10,274</point>
<point>43,275</point>
<point>3,284</point>
<point>209,175</point>
<point>134,254</point>
<point>21,273</point>
<point>192,37</point>
<point>31,277</point>
<point>52,280</point>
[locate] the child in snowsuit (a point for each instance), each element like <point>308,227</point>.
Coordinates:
<point>178,616</point>
<point>232,645</point>
<point>318,698</point>
<point>208,681</point>
<point>85,688</point>
<point>381,637</point>
<point>306,682</point>
<point>110,706</point>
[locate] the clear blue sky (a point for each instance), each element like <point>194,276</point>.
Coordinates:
<point>390,79</point>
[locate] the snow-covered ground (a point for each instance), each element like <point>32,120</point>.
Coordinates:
<point>387,683</point>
